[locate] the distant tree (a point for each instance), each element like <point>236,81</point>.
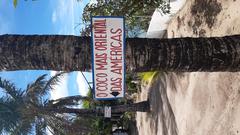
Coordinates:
<point>137,13</point>
<point>15,2</point>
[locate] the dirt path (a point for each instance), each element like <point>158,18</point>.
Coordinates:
<point>196,103</point>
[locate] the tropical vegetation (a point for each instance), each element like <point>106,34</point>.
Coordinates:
<point>136,19</point>
<point>30,110</point>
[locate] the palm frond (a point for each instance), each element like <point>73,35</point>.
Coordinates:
<point>7,104</point>
<point>9,116</point>
<point>63,125</point>
<point>54,80</point>
<point>23,127</point>
<point>10,89</point>
<point>37,87</point>
<point>12,119</point>
<point>55,125</point>
<point>40,127</point>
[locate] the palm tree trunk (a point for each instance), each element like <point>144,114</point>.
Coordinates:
<point>143,106</point>
<point>45,52</point>
<point>135,107</point>
<point>185,54</point>
<point>72,53</point>
<point>70,100</point>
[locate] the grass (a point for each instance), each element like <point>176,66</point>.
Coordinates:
<point>147,77</point>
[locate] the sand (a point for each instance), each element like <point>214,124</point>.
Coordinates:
<point>196,103</point>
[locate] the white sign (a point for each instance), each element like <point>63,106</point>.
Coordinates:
<point>107,112</point>
<point>108,46</point>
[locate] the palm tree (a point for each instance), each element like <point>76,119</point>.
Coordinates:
<point>73,53</point>
<point>22,111</point>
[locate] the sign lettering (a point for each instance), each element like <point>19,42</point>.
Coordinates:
<point>108,57</point>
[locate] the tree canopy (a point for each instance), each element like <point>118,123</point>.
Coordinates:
<point>137,13</point>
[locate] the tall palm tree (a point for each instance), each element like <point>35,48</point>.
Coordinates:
<point>22,111</point>
<point>68,53</point>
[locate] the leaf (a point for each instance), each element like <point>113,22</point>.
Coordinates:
<point>54,80</point>
<point>10,89</point>
<point>15,3</point>
<point>36,88</point>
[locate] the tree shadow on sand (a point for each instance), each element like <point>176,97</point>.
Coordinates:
<point>161,115</point>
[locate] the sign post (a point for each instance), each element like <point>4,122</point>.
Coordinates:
<point>107,112</point>
<point>108,45</point>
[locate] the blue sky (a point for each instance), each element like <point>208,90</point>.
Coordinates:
<point>44,17</point>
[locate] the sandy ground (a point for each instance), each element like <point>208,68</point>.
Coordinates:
<point>196,103</point>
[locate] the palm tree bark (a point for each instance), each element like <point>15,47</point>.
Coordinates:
<point>69,100</point>
<point>139,107</point>
<point>185,54</point>
<point>46,52</point>
<point>73,53</point>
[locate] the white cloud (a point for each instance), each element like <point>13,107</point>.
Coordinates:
<point>60,90</point>
<point>93,1</point>
<point>54,17</point>
<point>82,84</point>
<point>49,131</point>
<point>63,14</point>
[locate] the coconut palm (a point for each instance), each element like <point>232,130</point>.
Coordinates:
<point>73,53</point>
<point>22,111</point>
<point>29,110</point>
